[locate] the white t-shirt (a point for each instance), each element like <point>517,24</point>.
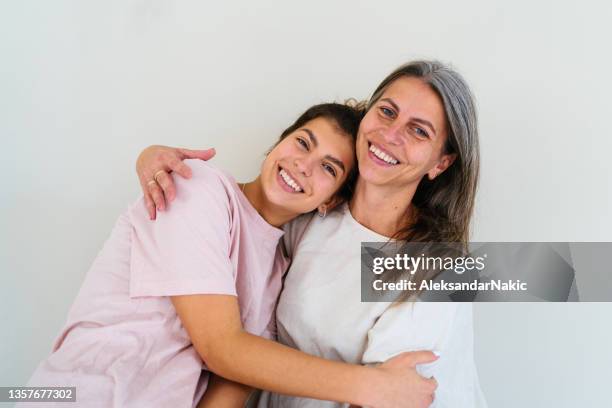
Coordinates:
<point>320,312</point>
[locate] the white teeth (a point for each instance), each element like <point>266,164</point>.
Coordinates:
<point>382,155</point>
<point>289,180</point>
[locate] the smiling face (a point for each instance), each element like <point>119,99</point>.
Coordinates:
<point>307,167</point>
<point>402,136</point>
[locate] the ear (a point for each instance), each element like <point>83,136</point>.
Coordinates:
<point>444,163</point>
<point>330,204</point>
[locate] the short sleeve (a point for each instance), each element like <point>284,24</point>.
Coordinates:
<point>445,328</point>
<point>409,326</point>
<point>186,249</point>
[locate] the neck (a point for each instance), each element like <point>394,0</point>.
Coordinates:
<point>273,215</point>
<point>382,209</point>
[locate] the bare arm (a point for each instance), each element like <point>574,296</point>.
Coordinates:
<point>213,323</point>
<point>222,393</point>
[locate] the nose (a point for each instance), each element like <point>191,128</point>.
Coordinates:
<point>304,166</point>
<point>392,134</point>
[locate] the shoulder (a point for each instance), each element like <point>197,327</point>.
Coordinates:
<point>208,185</point>
<point>294,230</point>
<point>334,223</point>
<point>298,223</point>
<point>206,175</point>
<point>309,226</point>
<point>205,197</point>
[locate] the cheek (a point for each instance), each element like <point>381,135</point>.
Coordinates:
<point>287,147</point>
<point>361,146</point>
<point>326,187</point>
<point>420,154</point>
<point>280,150</point>
<point>281,153</point>
<point>268,167</point>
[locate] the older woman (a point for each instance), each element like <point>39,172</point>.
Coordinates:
<point>418,155</point>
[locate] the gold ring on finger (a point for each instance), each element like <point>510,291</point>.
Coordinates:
<point>157,175</point>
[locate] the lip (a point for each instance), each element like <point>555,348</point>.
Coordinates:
<point>378,161</point>
<point>286,186</point>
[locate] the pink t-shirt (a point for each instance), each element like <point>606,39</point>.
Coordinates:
<point>123,344</point>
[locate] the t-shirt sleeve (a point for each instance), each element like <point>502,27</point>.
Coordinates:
<point>442,327</point>
<point>409,326</point>
<point>186,249</point>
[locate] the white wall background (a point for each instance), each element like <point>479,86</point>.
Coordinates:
<point>85,85</point>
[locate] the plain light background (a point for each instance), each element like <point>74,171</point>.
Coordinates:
<point>85,85</point>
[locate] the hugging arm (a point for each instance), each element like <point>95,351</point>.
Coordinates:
<point>214,326</point>
<point>443,327</point>
<point>172,252</point>
<point>222,393</point>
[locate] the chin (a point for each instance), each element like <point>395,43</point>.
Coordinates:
<point>369,170</point>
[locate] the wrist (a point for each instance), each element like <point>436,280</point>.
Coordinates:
<point>369,385</point>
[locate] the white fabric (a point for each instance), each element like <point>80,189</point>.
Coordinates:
<point>320,312</point>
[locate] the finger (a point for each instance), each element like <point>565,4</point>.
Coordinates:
<point>419,357</point>
<point>145,176</point>
<point>158,197</point>
<point>432,384</point>
<point>147,198</point>
<point>167,185</point>
<point>425,402</point>
<point>178,166</point>
<point>198,154</point>
<point>150,205</point>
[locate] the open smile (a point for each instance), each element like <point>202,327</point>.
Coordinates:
<point>288,182</point>
<point>381,156</point>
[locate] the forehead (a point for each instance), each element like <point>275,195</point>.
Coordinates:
<point>415,97</point>
<point>331,139</point>
<point>328,132</point>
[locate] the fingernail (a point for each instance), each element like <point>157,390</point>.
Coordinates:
<point>437,353</point>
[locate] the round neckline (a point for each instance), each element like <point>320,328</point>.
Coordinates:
<point>362,227</point>
<point>253,212</point>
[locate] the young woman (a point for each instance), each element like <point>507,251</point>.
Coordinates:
<point>201,283</point>
<point>418,155</point>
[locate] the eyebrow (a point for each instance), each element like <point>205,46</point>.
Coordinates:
<point>331,158</point>
<point>312,136</point>
<point>417,120</point>
<point>336,161</point>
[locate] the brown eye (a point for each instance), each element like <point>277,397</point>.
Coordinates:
<point>329,169</point>
<point>303,143</point>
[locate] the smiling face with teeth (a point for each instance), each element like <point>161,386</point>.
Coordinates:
<point>305,169</point>
<point>403,135</point>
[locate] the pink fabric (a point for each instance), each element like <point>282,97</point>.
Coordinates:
<point>123,344</point>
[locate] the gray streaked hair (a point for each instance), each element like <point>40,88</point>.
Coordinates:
<point>444,205</point>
